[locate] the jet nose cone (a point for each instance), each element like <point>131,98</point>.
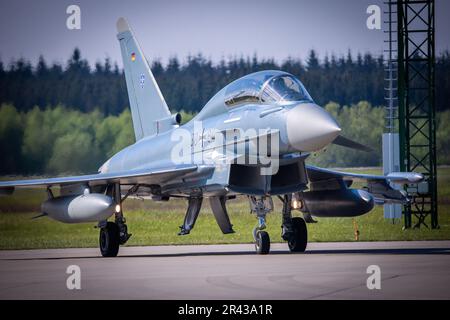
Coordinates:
<point>310,127</point>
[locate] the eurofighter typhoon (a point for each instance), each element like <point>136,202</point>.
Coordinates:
<point>252,138</point>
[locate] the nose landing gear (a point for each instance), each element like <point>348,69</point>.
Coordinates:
<point>261,206</point>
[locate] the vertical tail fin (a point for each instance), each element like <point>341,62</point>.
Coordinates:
<point>146,101</point>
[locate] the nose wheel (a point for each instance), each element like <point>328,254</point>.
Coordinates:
<point>262,242</point>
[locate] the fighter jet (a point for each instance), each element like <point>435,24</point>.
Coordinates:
<point>251,139</point>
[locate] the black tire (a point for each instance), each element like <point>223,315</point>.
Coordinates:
<point>109,240</point>
<point>299,238</point>
<point>262,243</point>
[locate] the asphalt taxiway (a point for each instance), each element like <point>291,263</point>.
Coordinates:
<point>409,270</point>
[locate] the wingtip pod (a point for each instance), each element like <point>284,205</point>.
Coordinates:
<point>122,25</point>
<point>406,177</point>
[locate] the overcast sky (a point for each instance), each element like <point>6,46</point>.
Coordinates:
<point>218,29</point>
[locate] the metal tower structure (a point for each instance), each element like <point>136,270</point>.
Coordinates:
<point>416,105</point>
<point>391,67</point>
<point>391,148</point>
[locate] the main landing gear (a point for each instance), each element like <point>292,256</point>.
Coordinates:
<point>294,229</point>
<point>114,234</point>
<point>109,239</point>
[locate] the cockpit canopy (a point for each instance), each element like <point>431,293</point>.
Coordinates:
<point>266,87</point>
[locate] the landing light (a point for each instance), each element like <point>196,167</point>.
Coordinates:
<point>296,204</point>
<point>118,209</point>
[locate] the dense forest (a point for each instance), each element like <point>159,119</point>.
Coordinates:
<point>189,85</point>
<point>58,119</point>
<point>58,140</point>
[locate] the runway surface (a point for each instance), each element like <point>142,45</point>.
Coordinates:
<point>409,270</point>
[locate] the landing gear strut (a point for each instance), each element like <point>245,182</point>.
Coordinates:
<point>114,234</point>
<point>194,206</point>
<point>293,230</point>
<point>261,206</point>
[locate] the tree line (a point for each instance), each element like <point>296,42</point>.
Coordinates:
<point>189,85</point>
<point>59,140</point>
